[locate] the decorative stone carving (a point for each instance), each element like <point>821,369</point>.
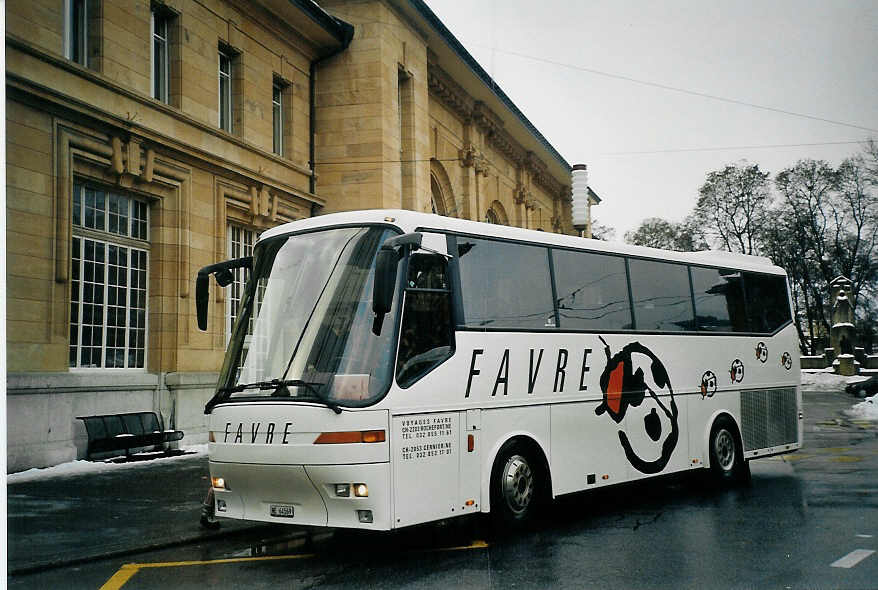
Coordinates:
<point>472,157</point>
<point>522,194</point>
<point>449,92</point>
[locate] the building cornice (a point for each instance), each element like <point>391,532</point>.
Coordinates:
<point>21,83</point>
<point>452,95</point>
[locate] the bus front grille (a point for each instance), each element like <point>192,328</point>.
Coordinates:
<point>769,418</point>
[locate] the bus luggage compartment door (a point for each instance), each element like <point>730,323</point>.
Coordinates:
<point>426,462</point>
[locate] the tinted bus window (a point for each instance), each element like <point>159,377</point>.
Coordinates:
<point>592,291</point>
<point>426,337</point>
<point>719,300</point>
<point>768,306</point>
<point>505,285</point>
<point>662,301</point>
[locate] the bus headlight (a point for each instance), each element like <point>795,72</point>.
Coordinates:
<point>343,490</point>
<point>361,490</point>
<point>219,483</point>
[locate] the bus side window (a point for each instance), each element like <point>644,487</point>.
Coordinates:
<point>427,337</point>
<point>719,300</point>
<point>768,304</point>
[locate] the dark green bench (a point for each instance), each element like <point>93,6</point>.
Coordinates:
<point>131,430</point>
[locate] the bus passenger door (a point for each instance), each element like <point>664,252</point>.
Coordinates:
<point>470,463</point>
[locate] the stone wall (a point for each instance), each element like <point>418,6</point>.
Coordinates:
<point>99,124</point>
<point>393,129</point>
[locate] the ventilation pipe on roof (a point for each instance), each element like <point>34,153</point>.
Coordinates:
<point>579,178</point>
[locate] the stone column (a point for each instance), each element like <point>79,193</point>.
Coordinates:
<point>842,333</point>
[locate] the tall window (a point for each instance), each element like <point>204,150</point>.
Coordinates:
<point>110,263</point>
<point>225,90</point>
<point>76,31</point>
<point>277,118</point>
<point>240,244</point>
<point>160,56</point>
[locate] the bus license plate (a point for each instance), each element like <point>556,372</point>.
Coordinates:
<point>282,510</point>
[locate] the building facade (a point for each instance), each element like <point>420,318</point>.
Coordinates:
<point>148,139</point>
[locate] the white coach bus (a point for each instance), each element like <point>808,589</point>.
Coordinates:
<point>390,368</point>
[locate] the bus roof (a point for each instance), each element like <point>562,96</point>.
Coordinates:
<point>409,221</point>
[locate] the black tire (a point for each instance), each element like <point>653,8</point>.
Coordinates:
<point>727,464</point>
<point>517,484</point>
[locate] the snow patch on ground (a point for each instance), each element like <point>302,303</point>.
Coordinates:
<point>82,466</point>
<point>866,409</point>
<point>827,381</point>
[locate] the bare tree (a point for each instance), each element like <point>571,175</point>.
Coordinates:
<point>805,191</point>
<point>732,206</point>
<point>656,232</point>
<point>599,231</point>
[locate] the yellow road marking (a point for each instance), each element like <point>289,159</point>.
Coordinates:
<point>796,457</point>
<point>473,545</point>
<point>121,577</point>
<point>127,571</point>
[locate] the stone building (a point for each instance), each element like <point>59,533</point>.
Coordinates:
<point>148,139</point>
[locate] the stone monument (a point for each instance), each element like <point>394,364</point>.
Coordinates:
<point>842,333</point>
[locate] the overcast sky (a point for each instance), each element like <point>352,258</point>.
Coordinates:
<point>818,59</point>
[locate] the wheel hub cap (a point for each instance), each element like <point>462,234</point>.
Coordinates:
<point>724,446</point>
<point>518,484</point>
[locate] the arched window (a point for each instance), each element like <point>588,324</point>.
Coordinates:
<point>437,202</point>
<point>491,217</point>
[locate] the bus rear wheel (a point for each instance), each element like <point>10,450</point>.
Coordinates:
<point>727,463</point>
<point>515,485</point>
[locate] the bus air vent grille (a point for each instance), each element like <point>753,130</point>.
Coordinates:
<point>768,417</point>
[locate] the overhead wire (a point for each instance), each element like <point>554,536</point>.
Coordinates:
<point>679,89</point>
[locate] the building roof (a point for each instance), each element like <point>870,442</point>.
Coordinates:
<point>321,28</point>
<point>474,75</point>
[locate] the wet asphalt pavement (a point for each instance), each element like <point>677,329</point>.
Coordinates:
<point>800,514</point>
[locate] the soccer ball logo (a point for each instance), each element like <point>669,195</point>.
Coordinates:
<point>635,381</point>
<point>761,352</point>
<point>708,384</point>
<point>736,372</point>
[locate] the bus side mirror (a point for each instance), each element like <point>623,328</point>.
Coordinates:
<point>224,277</point>
<point>202,282</point>
<point>385,280</point>
<point>385,274</point>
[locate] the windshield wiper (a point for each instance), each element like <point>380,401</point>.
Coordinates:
<point>280,387</point>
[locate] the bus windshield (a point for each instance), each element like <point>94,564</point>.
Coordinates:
<point>305,324</point>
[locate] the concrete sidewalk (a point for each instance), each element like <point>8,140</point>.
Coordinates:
<point>123,509</point>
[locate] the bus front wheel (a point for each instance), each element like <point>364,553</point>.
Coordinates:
<point>515,485</point>
<point>727,463</point>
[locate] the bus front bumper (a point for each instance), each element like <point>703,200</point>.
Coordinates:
<point>345,496</point>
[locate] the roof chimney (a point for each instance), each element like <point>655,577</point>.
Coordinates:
<point>579,179</point>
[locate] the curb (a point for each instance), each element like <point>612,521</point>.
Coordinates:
<point>57,564</point>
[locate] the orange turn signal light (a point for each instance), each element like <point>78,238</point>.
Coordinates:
<point>354,436</point>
